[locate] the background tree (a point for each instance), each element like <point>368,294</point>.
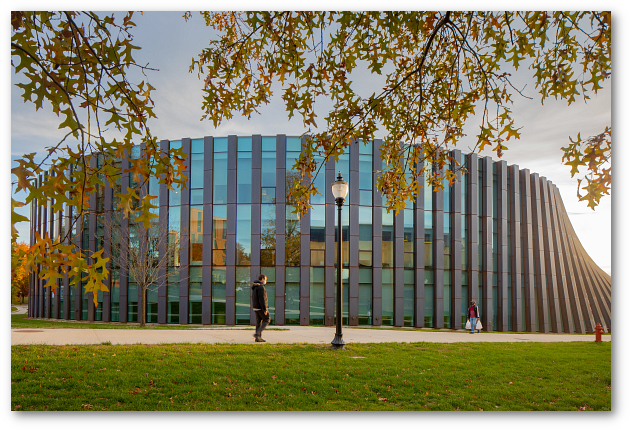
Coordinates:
<point>19,274</point>
<point>439,70</point>
<point>151,255</point>
<point>80,62</point>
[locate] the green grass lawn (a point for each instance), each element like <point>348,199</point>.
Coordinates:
<point>419,376</point>
<point>22,321</point>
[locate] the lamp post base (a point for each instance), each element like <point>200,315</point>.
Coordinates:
<point>338,342</point>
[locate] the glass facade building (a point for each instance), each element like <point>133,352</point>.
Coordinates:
<point>499,235</point>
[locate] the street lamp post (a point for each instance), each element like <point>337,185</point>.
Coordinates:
<point>340,191</point>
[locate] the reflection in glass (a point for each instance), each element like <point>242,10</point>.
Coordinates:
<point>409,297</point>
<point>218,295</point>
<point>219,192</point>
<point>243,235</point>
<point>196,170</point>
<point>292,296</point>
<point>268,169</point>
<point>196,235</point>
<point>365,296</point>
<point>243,291</point>
<point>194,295</point>
<point>317,296</point>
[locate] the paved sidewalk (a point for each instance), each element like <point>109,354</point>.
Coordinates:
<point>21,309</point>
<point>288,334</point>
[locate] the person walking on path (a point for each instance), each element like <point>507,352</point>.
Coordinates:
<point>261,306</point>
<point>473,315</point>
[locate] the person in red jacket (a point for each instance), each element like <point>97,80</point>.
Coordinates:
<point>473,315</point>
<point>260,306</point>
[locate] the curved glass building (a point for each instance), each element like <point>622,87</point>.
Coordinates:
<point>500,235</point>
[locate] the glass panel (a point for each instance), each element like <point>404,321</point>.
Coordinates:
<point>270,286</point>
<point>268,169</point>
<point>196,170</point>
<point>317,258</point>
<point>365,258</point>
<point>196,146</point>
<point>317,296</point>
<point>365,197</point>
<point>194,295</point>
<point>218,295</point>
<point>365,228</point>
<point>388,238</point>
<point>365,172</point>
<point>220,144</point>
<point>268,195</point>
<point>320,183</point>
<point>175,144</point>
<point>196,197</point>
<point>219,227</point>
<point>244,177</point>
<point>365,296</point>
<point>318,230</point>
<point>219,194</point>
<point>244,144</point>
<point>292,296</point>
<point>409,278</point>
<point>267,227</point>
<point>388,297</point>
<point>294,144</point>
<point>365,147</point>
<point>292,237</point>
<point>243,235</point>
<point>196,235</point>
<point>243,289</point>
<point>269,143</point>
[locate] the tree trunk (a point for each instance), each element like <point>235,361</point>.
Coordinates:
<point>143,305</point>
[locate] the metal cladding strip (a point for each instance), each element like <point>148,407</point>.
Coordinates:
<point>163,226</point>
<point>539,256</point>
<point>206,281</point>
<point>352,204</point>
<point>255,215</point>
<point>456,245</point>
<point>91,242</point>
<point>502,243</point>
<point>124,234</point>
<point>66,278</point>
<point>184,244</point>
<point>563,294</point>
<point>305,259</point>
<point>230,247</point>
<point>438,255</point>
<point>107,251</point>
<point>377,238</point>
<point>399,268</point>
<point>281,144</point>
<point>54,229</point>
<point>329,250</point>
<point>515,232</point>
<point>487,311</point>
<point>472,217</point>
<point>550,257</point>
<point>418,303</point>
<point>44,230</point>
<point>528,252</point>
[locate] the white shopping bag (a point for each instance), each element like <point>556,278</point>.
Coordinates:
<point>468,325</point>
<point>479,326</point>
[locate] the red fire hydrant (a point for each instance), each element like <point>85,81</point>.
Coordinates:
<point>598,332</point>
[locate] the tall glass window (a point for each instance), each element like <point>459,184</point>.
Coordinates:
<point>447,253</point>
<point>194,295</point>
<point>292,296</point>
<point>365,236</point>
<point>270,286</point>
<point>292,238</point>
<point>464,239</point>
<point>388,296</point>
<point>365,296</point>
<point>495,247</point>
<point>292,226</point>
<point>243,288</point>
<point>243,235</point>
<point>317,296</point>
<point>480,233</point>
<point>318,234</point>
<point>409,278</point>
<point>428,252</point>
<point>219,171</point>
<point>174,236</point>
<point>218,295</point>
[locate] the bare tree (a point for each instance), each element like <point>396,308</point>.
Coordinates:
<point>151,255</point>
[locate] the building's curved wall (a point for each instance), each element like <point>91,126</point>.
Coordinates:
<point>500,235</point>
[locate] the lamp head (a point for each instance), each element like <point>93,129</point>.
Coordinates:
<point>340,188</point>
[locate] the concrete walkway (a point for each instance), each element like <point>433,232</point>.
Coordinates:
<point>288,334</point>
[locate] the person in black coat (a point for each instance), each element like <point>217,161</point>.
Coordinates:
<point>260,306</point>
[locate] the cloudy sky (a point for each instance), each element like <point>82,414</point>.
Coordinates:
<point>169,44</point>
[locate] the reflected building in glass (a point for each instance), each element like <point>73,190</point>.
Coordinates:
<point>499,235</point>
